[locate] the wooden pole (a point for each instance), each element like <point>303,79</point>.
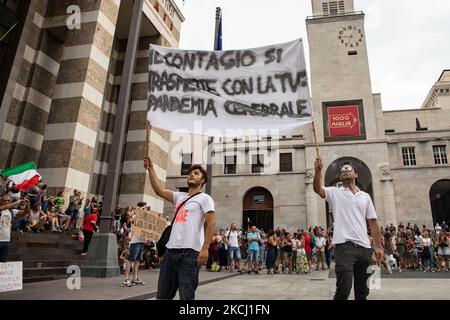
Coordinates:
<point>147,138</point>
<point>315,139</point>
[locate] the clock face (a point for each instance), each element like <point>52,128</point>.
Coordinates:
<point>351,36</point>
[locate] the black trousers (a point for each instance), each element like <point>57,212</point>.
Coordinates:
<point>352,261</point>
<point>87,239</point>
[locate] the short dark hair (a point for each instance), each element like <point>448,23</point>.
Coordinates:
<point>141,204</point>
<point>201,169</point>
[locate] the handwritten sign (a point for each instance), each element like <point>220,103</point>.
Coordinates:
<point>148,225</point>
<point>11,276</point>
<point>229,93</point>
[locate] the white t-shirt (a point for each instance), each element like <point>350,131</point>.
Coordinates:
<point>350,213</point>
<point>233,238</point>
<point>320,243</point>
<point>5,225</point>
<point>188,227</point>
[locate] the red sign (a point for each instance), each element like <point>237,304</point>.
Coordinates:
<point>343,121</point>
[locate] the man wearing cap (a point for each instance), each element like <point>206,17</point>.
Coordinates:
<point>353,210</point>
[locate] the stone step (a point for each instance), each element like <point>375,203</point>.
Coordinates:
<point>44,278</point>
<point>42,272</point>
<point>37,251</point>
<point>46,257</point>
<point>51,263</point>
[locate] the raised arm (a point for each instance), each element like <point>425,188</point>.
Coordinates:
<point>317,183</point>
<point>156,185</point>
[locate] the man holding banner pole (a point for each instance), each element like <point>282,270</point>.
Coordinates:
<point>187,248</point>
<point>353,210</point>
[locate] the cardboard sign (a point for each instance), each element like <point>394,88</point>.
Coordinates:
<point>148,225</point>
<point>343,121</point>
<point>11,276</point>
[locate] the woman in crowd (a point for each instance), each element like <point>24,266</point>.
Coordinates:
<point>63,219</point>
<point>443,250</point>
<point>402,250</point>
<point>263,250</point>
<point>302,260</point>
<point>287,253</point>
<point>271,251</point>
<point>89,228</point>
<point>223,250</point>
<point>36,219</point>
<point>426,244</point>
<point>213,251</point>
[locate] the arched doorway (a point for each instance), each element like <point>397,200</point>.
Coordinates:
<point>258,209</point>
<point>440,201</point>
<point>364,180</point>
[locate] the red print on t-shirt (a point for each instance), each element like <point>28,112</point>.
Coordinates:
<point>181,215</point>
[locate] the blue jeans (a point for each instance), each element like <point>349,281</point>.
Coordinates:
<point>253,256</point>
<point>236,251</point>
<point>179,271</point>
<point>262,255</point>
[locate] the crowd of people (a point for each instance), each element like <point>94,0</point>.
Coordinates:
<point>279,251</point>
<point>411,248</point>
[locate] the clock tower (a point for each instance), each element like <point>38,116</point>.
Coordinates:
<point>344,106</point>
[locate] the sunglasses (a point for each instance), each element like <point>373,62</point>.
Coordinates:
<point>347,168</point>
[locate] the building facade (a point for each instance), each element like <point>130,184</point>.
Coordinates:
<point>401,156</point>
<point>61,82</point>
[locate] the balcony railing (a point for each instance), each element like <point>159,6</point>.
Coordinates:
<point>334,15</point>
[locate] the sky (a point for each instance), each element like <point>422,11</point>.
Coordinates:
<point>408,40</point>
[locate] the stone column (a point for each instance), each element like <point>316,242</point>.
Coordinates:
<point>67,154</point>
<point>387,184</point>
<point>312,218</point>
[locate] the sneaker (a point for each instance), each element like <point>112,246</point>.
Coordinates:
<point>126,283</point>
<point>84,253</point>
<point>138,282</point>
<point>249,272</point>
<point>256,272</point>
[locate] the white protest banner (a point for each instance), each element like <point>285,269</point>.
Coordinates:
<point>11,276</point>
<point>229,93</point>
<point>148,225</point>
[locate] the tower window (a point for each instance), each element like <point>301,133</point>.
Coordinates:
<point>325,8</point>
<point>334,8</point>
<point>341,7</point>
<point>352,53</point>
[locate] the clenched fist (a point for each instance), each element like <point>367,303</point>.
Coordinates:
<point>148,163</point>
<point>318,165</point>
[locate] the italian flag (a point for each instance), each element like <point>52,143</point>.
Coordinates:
<point>24,176</point>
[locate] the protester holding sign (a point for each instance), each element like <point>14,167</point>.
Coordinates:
<point>352,209</point>
<point>188,244</point>
<point>7,214</point>
<point>136,251</point>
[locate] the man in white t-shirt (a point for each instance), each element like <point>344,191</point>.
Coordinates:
<point>352,210</point>
<point>234,251</point>
<point>7,214</point>
<point>187,248</point>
